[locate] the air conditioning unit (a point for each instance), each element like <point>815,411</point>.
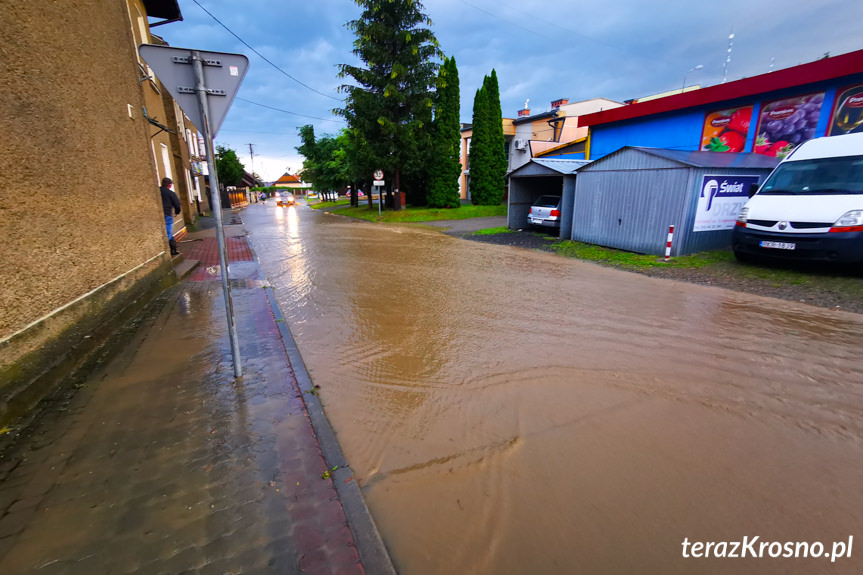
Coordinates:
<point>520,144</point>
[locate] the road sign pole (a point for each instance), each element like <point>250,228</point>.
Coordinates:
<point>201,90</point>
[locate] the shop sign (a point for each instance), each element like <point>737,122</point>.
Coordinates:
<point>785,124</point>
<point>726,130</point>
<point>720,201</point>
<point>847,115</point>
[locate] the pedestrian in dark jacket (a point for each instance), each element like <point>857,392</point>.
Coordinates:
<point>171,207</point>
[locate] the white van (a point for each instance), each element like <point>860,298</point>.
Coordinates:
<point>810,207</point>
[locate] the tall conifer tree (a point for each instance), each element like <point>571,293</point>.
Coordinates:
<point>497,161</point>
<point>389,108</point>
<point>446,168</point>
<point>480,151</point>
<point>487,149</point>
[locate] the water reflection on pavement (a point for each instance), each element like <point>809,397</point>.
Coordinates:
<point>515,412</point>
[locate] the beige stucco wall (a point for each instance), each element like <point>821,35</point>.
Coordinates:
<point>79,206</point>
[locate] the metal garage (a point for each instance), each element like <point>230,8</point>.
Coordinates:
<point>628,199</point>
<point>542,177</point>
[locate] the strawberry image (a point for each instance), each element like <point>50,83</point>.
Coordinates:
<point>740,120</point>
<point>762,145</point>
<point>734,140</point>
<point>780,149</point>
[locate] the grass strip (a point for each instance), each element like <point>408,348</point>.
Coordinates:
<point>415,214</point>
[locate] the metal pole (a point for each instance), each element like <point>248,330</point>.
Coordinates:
<point>378,188</point>
<point>201,90</point>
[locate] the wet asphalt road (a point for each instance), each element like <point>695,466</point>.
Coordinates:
<point>509,411</point>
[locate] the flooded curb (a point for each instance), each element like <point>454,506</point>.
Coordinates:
<point>373,553</point>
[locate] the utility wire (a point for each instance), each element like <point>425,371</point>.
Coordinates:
<point>264,58</point>
<point>288,111</point>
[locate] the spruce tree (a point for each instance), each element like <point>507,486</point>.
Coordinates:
<point>389,108</point>
<point>446,168</point>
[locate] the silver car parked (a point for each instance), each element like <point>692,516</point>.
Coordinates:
<point>545,212</point>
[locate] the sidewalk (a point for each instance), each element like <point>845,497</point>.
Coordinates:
<point>160,462</point>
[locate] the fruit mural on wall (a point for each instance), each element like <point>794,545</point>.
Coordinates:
<point>785,124</point>
<point>848,115</point>
<point>725,130</point>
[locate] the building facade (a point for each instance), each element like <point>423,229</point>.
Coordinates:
<point>539,134</point>
<point>769,114</point>
<point>82,215</point>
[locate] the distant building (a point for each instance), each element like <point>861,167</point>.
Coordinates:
<point>292,182</point>
<point>556,129</point>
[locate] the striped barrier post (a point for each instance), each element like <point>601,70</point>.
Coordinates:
<point>668,242</point>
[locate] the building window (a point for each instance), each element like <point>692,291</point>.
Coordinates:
<point>166,162</point>
<point>189,185</point>
<point>156,163</point>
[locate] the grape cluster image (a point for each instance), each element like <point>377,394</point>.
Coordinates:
<point>784,124</point>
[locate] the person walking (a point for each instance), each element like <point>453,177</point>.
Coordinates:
<point>171,207</point>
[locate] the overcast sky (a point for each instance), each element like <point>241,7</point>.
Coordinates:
<point>541,49</point>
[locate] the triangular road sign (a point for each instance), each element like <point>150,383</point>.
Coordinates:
<point>223,74</point>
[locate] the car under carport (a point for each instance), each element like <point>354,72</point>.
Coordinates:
<point>542,177</point>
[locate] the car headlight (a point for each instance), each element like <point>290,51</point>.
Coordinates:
<point>744,213</point>
<point>852,218</point>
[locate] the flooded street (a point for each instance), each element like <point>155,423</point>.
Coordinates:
<point>515,412</point>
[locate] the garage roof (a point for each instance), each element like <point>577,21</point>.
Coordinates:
<point>549,167</point>
<point>711,159</point>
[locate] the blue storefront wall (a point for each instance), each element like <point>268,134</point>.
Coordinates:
<point>682,129</point>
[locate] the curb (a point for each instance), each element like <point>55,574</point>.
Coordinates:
<point>374,556</point>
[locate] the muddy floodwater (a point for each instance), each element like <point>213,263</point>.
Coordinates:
<point>514,412</point>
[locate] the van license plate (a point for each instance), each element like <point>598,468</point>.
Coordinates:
<point>778,245</point>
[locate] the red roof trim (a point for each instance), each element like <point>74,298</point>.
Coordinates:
<point>818,71</point>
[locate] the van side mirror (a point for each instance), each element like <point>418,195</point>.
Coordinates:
<point>753,188</point>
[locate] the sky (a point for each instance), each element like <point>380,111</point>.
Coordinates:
<point>542,50</point>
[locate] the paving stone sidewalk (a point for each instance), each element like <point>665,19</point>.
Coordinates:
<point>160,462</point>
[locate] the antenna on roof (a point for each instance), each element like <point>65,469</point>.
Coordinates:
<point>727,56</point>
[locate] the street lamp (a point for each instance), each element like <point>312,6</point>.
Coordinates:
<point>683,87</point>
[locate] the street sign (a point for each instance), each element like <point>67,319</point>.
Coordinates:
<point>379,175</point>
<point>204,84</point>
<point>223,74</point>
<point>378,183</point>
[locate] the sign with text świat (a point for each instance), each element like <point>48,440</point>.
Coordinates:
<point>223,74</point>
<point>720,201</point>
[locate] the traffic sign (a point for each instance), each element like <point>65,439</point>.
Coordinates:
<point>223,74</point>
<point>379,174</point>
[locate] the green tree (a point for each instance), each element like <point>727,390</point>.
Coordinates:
<point>480,151</point>
<point>389,108</point>
<point>325,165</point>
<point>497,163</point>
<point>446,167</point>
<point>229,169</point>
<point>487,146</point>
